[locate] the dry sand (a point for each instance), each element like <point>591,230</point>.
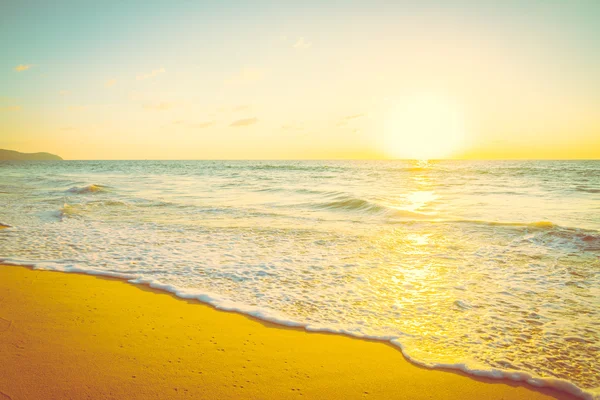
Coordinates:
<point>74,336</point>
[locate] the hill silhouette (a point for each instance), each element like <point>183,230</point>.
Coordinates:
<point>18,156</point>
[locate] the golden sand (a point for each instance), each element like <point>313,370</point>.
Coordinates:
<point>74,336</point>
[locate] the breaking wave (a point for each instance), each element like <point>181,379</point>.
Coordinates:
<point>88,189</point>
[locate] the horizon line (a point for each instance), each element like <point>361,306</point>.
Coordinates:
<point>320,159</point>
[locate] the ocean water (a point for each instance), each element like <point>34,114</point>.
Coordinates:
<point>489,267</point>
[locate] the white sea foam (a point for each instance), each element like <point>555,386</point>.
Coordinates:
<point>445,261</point>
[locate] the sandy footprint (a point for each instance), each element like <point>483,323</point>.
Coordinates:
<point>4,325</point>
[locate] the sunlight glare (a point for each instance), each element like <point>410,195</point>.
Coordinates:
<point>424,127</point>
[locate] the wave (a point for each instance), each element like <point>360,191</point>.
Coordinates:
<point>51,216</point>
<point>589,239</point>
<point>535,224</point>
<point>587,189</point>
<point>561,385</point>
<point>105,203</point>
<point>287,167</point>
<point>222,303</point>
<point>546,232</point>
<point>366,207</point>
<point>584,239</point>
<point>351,204</point>
<point>88,189</point>
<point>59,215</point>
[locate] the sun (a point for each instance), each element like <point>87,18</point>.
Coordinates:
<point>424,127</point>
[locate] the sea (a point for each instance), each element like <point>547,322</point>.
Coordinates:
<point>488,267</point>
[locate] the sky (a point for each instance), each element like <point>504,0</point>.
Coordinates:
<point>301,80</point>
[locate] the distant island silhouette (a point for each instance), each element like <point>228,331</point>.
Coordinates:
<point>18,156</point>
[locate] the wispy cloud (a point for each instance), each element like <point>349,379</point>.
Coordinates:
<point>246,76</point>
<point>10,108</point>
<point>64,92</point>
<point>244,122</point>
<point>302,44</point>
<point>159,106</point>
<point>203,125</point>
<point>344,121</point>
<point>22,67</point>
<point>292,127</point>
<point>354,116</point>
<point>151,74</point>
<point>243,107</point>
<point>110,83</point>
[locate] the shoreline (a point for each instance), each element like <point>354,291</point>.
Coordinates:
<point>378,368</point>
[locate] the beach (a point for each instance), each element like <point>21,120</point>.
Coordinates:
<point>75,336</point>
<point>323,200</point>
<point>394,278</point>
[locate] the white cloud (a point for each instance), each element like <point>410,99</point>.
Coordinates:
<point>302,44</point>
<point>244,122</point>
<point>242,107</point>
<point>203,125</point>
<point>151,74</point>
<point>292,127</point>
<point>344,121</point>
<point>22,67</point>
<point>354,116</point>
